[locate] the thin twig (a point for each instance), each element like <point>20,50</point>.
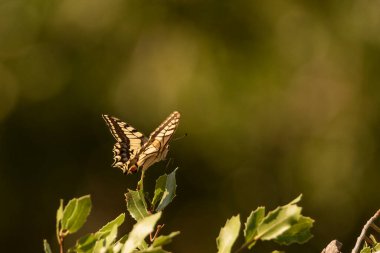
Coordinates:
<point>368,240</point>
<point>364,231</point>
<point>60,242</point>
<point>245,245</point>
<point>376,228</point>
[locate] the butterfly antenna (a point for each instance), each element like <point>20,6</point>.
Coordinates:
<point>181,137</point>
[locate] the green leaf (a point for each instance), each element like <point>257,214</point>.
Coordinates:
<point>117,247</point>
<point>123,239</point>
<point>99,246</point>
<point>296,200</point>
<point>374,240</point>
<point>136,205</point>
<point>47,248</point>
<point>154,250</point>
<point>107,232</point>
<point>59,217</point>
<point>252,223</point>
<point>106,229</point>
<point>228,235</point>
<point>75,213</point>
<point>164,239</point>
<point>159,189</point>
<point>298,233</point>
<point>84,244</point>
<point>366,249</point>
<point>111,237</point>
<point>278,222</point>
<point>143,245</point>
<point>60,211</point>
<point>140,230</point>
<point>168,193</point>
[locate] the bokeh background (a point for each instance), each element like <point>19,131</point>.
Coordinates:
<point>278,98</point>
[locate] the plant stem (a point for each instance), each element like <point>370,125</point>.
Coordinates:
<point>245,245</point>
<point>60,242</point>
<point>140,184</point>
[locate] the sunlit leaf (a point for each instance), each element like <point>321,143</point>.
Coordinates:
<point>296,200</point>
<point>140,230</point>
<point>123,239</point>
<point>75,213</point>
<point>298,233</point>
<point>164,239</point>
<point>59,217</point>
<point>47,248</point>
<point>106,229</point>
<point>117,247</point>
<point>278,222</point>
<point>228,235</point>
<point>60,211</point>
<point>136,205</point>
<point>111,237</point>
<point>366,249</point>
<point>84,244</point>
<point>252,223</point>
<point>99,246</point>
<point>153,250</point>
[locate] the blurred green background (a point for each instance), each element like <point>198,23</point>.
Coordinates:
<point>277,98</point>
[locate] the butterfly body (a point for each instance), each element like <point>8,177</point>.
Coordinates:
<point>133,150</point>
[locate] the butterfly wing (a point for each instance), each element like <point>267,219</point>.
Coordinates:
<point>129,141</point>
<point>156,148</point>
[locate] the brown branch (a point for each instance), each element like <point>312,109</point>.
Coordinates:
<point>364,231</point>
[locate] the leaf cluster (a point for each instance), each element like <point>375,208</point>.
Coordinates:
<point>284,225</point>
<point>72,217</point>
<point>372,247</point>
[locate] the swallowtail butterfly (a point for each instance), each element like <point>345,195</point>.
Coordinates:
<point>133,150</point>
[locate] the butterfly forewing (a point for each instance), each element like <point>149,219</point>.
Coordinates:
<point>124,132</point>
<point>165,131</point>
<point>156,148</point>
<point>129,140</point>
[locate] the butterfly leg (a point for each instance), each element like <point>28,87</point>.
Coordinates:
<point>158,229</point>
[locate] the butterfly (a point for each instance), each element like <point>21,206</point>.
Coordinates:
<point>133,150</point>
